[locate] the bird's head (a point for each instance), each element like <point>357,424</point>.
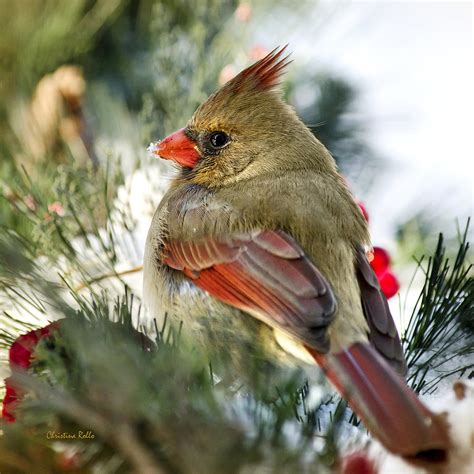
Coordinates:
<point>243,130</point>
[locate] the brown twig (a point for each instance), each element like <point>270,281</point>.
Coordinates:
<point>109,275</point>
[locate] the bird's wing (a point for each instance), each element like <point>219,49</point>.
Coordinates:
<point>268,275</point>
<point>265,274</point>
<point>382,331</point>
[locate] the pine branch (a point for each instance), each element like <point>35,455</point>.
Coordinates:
<point>440,332</point>
<point>97,375</point>
<point>121,435</point>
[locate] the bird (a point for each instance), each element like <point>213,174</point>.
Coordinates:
<point>259,244</point>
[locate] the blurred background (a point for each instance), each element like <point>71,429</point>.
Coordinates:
<point>85,85</point>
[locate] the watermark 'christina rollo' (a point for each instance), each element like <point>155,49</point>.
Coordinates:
<point>64,435</point>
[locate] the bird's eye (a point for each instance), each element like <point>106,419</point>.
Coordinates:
<point>218,139</point>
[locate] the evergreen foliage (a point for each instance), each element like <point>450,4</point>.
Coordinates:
<point>152,402</point>
<point>439,340</point>
<point>155,405</point>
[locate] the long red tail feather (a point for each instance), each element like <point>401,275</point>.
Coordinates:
<point>390,410</point>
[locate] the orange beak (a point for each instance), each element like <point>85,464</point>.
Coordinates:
<point>177,147</point>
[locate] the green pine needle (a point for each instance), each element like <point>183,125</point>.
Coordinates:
<point>439,340</point>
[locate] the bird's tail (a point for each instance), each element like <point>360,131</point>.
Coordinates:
<point>389,409</point>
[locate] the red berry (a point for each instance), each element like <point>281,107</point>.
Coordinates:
<point>364,211</point>
<point>380,261</point>
<point>358,463</point>
<point>20,355</point>
<point>389,283</point>
<point>10,401</point>
<point>21,350</point>
<point>69,461</point>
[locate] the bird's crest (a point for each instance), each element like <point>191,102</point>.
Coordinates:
<point>262,75</point>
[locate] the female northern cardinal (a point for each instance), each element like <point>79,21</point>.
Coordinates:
<point>259,223</point>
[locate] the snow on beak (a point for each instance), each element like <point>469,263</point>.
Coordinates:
<point>177,147</point>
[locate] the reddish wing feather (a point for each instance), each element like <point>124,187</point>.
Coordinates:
<point>267,275</point>
<point>382,331</point>
<point>386,405</point>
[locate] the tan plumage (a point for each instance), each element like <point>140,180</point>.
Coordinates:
<point>296,188</point>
